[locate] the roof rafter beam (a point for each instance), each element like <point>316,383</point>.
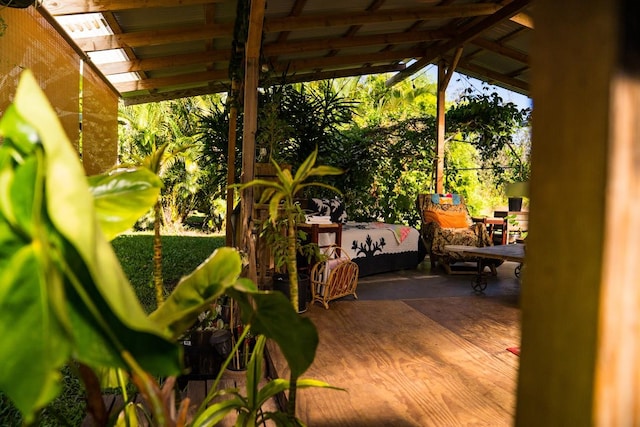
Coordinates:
<point>71,7</point>
<point>351,32</point>
<point>181,79</point>
<point>275,25</point>
<point>490,75</point>
<point>337,61</point>
<point>467,35</point>
<point>154,38</point>
<point>175,94</point>
<point>341,43</point>
<point>328,75</point>
<point>206,58</point>
<point>296,10</point>
<point>199,58</point>
<point>501,49</point>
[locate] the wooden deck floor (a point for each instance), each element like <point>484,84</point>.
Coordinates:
<point>417,349</point>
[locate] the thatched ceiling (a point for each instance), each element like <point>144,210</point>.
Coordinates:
<point>178,48</point>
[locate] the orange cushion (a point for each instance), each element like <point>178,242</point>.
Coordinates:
<point>446,219</point>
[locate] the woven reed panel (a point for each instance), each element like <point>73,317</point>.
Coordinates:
<point>27,40</point>
<point>99,124</point>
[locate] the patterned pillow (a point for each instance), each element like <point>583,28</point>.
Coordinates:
<point>446,199</point>
<point>329,207</point>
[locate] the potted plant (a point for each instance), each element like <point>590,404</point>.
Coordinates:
<point>515,192</point>
<point>285,213</point>
<point>273,236</point>
<point>63,281</point>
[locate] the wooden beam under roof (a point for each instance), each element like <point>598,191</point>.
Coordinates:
<point>501,49</point>
<point>352,31</point>
<point>154,38</point>
<point>181,79</point>
<point>342,43</point>
<point>306,22</point>
<point>465,36</point>
<point>328,75</point>
<point>207,57</point>
<point>275,49</point>
<point>133,98</point>
<point>296,10</point>
<point>493,76</point>
<point>198,58</point>
<point>346,61</point>
<point>71,7</point>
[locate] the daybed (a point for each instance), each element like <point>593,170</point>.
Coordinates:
<point>375,246</point>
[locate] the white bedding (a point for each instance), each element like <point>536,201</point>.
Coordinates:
<point>365,240</point>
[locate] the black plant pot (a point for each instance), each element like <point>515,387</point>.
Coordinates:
<point>19,4</point>
<point>202,354</point>
<point>515,204</point>
<point>281,283</point>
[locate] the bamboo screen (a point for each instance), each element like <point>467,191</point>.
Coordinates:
<point>30,41</point>
<point>99,124</point>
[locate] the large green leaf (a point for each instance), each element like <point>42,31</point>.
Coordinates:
<point>62,291</point>
<point>123,196</point>
<point>194,292</point>
<point>272,315</point>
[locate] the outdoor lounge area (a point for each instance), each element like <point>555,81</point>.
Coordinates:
<point>433,352</point>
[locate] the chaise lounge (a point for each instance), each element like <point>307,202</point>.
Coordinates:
<point>446,221</point>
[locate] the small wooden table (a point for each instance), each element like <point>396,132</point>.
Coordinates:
<point>314,230</point>
<point>514,252</point>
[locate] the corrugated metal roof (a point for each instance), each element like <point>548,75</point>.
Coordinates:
<point>182,48</point>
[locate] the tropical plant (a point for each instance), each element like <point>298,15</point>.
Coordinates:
<point>280,194</point>
<point>489,124</point>
<point>63,295</point>
<point>380,105</point>
<point>157,156</point>
<point>312,115</point>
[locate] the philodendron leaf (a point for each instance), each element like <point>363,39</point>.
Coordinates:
<point>197,290</point>
<point>272,315</point>
<point>62,290</point>
<point>123,196</point>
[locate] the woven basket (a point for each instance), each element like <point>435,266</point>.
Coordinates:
<point>334,278</point>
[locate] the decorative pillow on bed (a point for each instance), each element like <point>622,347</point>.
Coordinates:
<point>446,219</point>
<point>329,207</point>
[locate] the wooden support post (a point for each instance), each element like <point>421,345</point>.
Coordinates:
<point>444,77</point>
<point>231,162</point>
<point>440,127</point>
<point>581,296</point>
<point>252,72</point>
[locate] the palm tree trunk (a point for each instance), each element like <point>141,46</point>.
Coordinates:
<point>292,267</point>
<point>157,254</point>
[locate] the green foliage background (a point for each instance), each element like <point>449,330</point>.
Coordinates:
<point>383,138</point>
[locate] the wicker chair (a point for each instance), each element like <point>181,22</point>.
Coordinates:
<point>334,278</point>
<point>446,221</point>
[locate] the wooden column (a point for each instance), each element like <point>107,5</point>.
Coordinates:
<point>231,162</point>
<point>252,71</point>
<point>580,298</point>
<point>444,76</point>
<point>440,128</point>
